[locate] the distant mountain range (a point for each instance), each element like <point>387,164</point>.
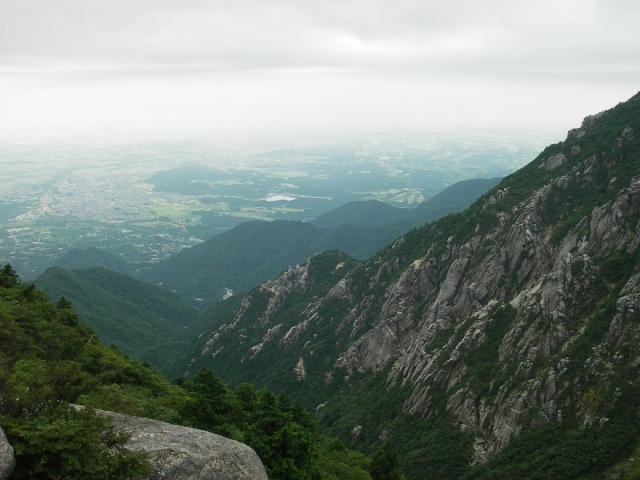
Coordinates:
<point>454,198</point>
<point>255,251</point>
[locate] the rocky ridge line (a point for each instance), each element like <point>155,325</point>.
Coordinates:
<point>521,285</point>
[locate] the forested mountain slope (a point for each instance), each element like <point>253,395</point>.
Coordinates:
<point>50,359</point>
<point>364,212</point>
<point>255,251</point>
<point>453,199</point>
<point>143,320</point>
<point>505,336</point>
<point>238,259</point>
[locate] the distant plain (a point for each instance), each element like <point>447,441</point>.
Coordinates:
<point>146,201</point>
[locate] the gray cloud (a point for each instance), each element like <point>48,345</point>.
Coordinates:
<point>427,36</point>
<point>333,59</point>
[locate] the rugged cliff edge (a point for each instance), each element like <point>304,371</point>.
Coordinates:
<point>521,313</point>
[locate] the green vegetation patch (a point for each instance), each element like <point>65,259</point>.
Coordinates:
<point>49,359</point>
<point>428,448</point>
<point>143,320</point>
<point>484,370</point>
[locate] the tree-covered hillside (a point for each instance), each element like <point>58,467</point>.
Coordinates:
<point>143,320</point>
<point>505,336</point>
<point>365,212</point>
<point>49,359</point>
<point>238,259</point>
<point>86,257</point>
<point>255,251</point>
<point>452,199</point>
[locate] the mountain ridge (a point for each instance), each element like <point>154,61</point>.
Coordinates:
<point>80,258</point>
<point>454,198</point>
<point>512,320</point>
<point>255,251</point>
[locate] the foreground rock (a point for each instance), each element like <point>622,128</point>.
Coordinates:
<point>7,459</point>
<point>182,453</point>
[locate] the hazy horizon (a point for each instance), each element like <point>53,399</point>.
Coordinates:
<point>169,71</point>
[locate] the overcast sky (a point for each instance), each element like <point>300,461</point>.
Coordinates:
<point>174,68</point>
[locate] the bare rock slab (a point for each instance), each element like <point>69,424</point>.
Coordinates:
<point>7,458</point>
<point>181,453</point>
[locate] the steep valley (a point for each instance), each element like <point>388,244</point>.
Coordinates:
<point>505,336</point>
<point>499,342</point>
<point>255,251</point>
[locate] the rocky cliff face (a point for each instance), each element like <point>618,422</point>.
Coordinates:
<point>508,315</point>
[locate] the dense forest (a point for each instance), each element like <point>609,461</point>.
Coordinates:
<point>50,361</point>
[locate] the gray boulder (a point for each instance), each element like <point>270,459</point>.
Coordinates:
<point>7,459</point>
<point>182,453</point>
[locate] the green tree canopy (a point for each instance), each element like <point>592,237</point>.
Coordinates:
<point>385,464</point>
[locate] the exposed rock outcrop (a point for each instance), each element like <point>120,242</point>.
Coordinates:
<point>182,453</point>
<point>587,125</point>
<point>7,458</point>
<point>515,281</point>
<point>553,162</point>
